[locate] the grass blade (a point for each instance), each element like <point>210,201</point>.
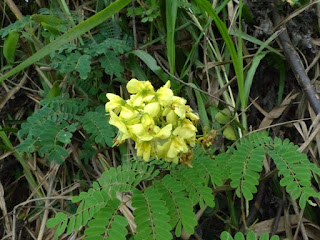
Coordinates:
<point>237,63</point>
<point>171,16</point>
<point>249,78</point>
<point>256,41</point>
<point>255,63</point>
<point>151,63</point>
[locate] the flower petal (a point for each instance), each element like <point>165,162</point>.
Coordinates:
<point>140,132</point>
<point>144,149</point>
<point>165,132</point>
<point>185,130</point>
<point>165,95</point>
<point>172,117</point>
<point>115,102</point>
<point>115,121</point>
<point>127,114</point>
<point>152,109</point>
<point>134,86</point>
<point>177,146</point>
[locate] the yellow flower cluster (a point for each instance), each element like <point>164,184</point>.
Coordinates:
<point>291,2</point>
<point>160,124</point>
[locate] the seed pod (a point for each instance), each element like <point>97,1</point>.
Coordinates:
<point>229,133</point>
<point>224,116</point>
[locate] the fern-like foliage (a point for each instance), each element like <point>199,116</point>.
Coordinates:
<point>55,110</point>
<point>95,124</point>
<point>246,164</point>
<point>249,236</point>
<point>243,165</point>
<point>102,195</point>
<point>151,215</point>
<point>207,167</point>
<point>295,169</point>
<point>164,195</point>
<point>179,205</point>
<point>197,189</point>
<point>107,224</point>
<point>80,59</point>
<point>49,130</point>
<point>49,139</point>
<point>164,206</point>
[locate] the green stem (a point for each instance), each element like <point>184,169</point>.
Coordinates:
<point>233,215</point>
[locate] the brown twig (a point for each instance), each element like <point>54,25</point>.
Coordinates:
<point>276,221</point>
<point>296,65</point>
<point>12,92</point>
<point>13,7</point>
<point>300,223</point>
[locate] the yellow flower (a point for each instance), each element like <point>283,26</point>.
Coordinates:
<point>115,102</point>
<point>140,132</point>
<point>291,2</point>
<point>177,109</point>
<point>179,106</point>
<point>127,113</point>
<point>185,130</point>
<point>147,130</point>
<point>152,109</point>
<point>171,117</point>
<point>191,115</point>
<point>160,124</point>
<point>123,131</point>
<point>143,131</point>
<point>171,150</point>
<point>144,149</point>
<point>144,92</point>
<point>135,86</point>
<point>147,121</point>
<point>164,95</point>
<point>164,133</point>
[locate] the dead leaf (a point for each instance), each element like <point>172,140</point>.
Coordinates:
<point>277,111</point>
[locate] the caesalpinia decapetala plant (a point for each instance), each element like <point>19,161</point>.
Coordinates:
<point>160,124</point>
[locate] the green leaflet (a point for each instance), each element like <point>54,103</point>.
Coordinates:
<point>205,166</point>
<point>10,46</point>
<point>179,206</point>
<point>148,205</point>
<point>83,66</point>
<point>295,169</point>
<point>196,187</point>
<point>250,236</point>
<point>51,128</point>
<point>246,164</point>
<point>97,124</point>
<point>111,64</point>
<point>50,137</point>
<point>48,19</point>
<point>167,205</point>
<point>106,225</point>
<point>16,26</point>
<point>55,109</point>
<point>73,33</point>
